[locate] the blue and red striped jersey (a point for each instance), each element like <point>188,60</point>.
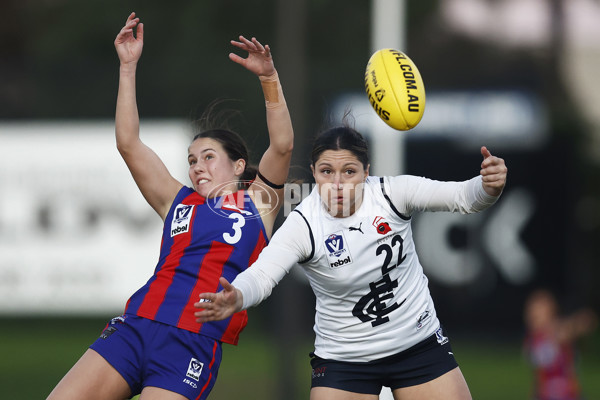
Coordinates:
<point>203,239</point>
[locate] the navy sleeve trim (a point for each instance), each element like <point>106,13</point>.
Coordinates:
<point>268,182</point>
<point>398,213</point>
<point>312,240</point>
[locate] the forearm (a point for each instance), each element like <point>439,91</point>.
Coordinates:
<point>126,115</point>
<point>256,284</point>
<point>411,193</point>
<point>477,198</point>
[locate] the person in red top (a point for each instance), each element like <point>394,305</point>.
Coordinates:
<point>217,227</point>
<point>550,347</point>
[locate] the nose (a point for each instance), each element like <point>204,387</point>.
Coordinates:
<point>198,167</point>
<point>337,181</point>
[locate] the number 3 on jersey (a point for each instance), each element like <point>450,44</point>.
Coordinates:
<point>239,222</point>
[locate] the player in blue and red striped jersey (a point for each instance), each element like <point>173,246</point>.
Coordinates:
<point>215,228</point>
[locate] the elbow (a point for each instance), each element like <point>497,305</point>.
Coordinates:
<point>282,149</point>
<point>126,146</point>
<point>123,148</point>
<point>287,150</point>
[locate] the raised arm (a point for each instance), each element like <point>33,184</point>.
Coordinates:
<point>275,162</point>
<point>150,174</point>
<point>410,193</point>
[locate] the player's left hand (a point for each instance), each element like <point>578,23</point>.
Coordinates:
<point>259,60</point>
<point>493,173</point>
<point>128,45</point>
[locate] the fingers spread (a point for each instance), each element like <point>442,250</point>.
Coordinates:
<point>247,42</point>
<point>257,44</point>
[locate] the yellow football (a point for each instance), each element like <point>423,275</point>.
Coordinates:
<point>395,89</point>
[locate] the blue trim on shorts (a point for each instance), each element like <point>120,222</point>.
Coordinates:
<point>424,362</point>
<point>150,353</point>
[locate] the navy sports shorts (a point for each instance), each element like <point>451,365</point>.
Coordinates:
<point>150,353</point>
<point>421,363</point>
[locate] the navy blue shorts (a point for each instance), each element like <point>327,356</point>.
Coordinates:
<point>150,353</point>
<point>421,363</point>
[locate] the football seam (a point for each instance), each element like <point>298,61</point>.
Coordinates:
<point>383,61</point>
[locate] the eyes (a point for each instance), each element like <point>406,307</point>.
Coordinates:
<point>206,157</point>
<point>329,171</point>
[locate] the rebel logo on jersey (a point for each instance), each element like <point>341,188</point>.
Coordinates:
<point>181,219</point>
<point>337,253</point>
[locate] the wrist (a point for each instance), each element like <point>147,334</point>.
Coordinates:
<point>272,90</point>
<point>239,303</point>
<point>269,78</point>
<point>128,67</point>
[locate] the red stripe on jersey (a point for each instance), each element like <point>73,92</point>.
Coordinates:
<point>236,325</point>
<point>157,290</point>
<point>240,319</point>
<point>209,273</point>
<point>210,365</point>
<point>260,244</point>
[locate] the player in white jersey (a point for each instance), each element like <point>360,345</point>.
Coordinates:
<point>375,321</point>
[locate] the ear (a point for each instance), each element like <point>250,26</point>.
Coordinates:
<point>367,170</point>
<point>240,166</point>
<point>312,169</point>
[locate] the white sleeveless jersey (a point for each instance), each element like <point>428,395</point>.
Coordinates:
<point>372,297</point>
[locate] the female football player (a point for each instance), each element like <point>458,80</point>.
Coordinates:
<point>217,227</point>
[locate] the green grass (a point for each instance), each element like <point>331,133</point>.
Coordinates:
<point>36,353</point>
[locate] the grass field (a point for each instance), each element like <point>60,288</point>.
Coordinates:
<point>36,353</point>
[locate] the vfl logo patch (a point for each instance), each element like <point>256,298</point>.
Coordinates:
<point>335,246</point>
<point>181,219</point>
<point>194,369</point>
<point>441,339</point>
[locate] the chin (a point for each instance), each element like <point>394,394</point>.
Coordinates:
<point>336,211</point>
<point>203,192</point>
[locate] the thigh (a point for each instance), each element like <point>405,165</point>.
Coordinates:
<point>450,386</point>
<point>92,377</point>
<point>327,393</point>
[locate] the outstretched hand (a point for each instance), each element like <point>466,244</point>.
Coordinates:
<point>129,47</point>
<point>259,60</point>
<point>493,173</point>
<point>218,306</point>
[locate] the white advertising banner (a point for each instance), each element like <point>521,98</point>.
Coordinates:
<point>76,235</point>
